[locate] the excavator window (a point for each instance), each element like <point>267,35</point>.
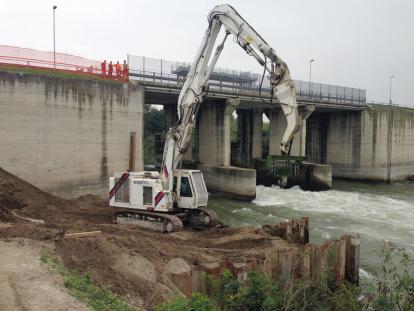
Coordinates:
<point>147,195</point>
<point>185,190</point>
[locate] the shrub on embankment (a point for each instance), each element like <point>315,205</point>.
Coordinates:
<point>391,289</point>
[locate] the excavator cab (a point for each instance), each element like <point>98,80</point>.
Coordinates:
<point>190,189</point>
<point>144,191</point>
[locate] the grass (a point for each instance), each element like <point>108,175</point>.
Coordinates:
<point>54,73</point>
<point>83,288</point>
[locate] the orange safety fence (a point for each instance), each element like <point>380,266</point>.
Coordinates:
<point>31,58</point>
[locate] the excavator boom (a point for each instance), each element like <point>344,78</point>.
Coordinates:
<point>191,96</point>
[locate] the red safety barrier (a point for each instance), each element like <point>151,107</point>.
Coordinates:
<point>11,55</point>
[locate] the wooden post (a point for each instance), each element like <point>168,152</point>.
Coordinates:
<point>352,258</point>
<point>81,234</point>
<point>315,260</point>
<point>307,261</point>
<point>132,151</point>
<point>340,261</point>
<point>294,231</point>
<point>183,281</point>
<point>238,269</point>
<point>290,231</point>
<point>285,262</point>
<point>304,230</point>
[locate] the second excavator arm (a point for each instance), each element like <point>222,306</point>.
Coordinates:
<point>191,96</point>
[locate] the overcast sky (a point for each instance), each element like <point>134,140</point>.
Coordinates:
<point>356,43</point>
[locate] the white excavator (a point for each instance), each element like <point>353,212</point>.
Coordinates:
<point>166,200</point>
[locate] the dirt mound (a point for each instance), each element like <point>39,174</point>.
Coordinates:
<point>23,199</point>
<point>6,215</point>
<point>134,263</point>
<point>15,193</point>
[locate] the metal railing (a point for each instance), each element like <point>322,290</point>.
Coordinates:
<point>34,59</point>
<point>169,73</point>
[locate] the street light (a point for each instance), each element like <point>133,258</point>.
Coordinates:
<point>54,37</point>
<point>391,77</point>
<point>310,76</point>
<point>389,134</point>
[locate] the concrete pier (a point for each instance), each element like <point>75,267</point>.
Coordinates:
<point>257,134</point>
<point>214,153</point>
<point>355,143</point>
<point>245,137</point>
<point>214,134</point>
<point>212,148</point>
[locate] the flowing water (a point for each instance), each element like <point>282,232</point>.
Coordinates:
<point>376,212</point>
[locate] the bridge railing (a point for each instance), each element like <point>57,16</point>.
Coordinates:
<point>35,59</point>
<point>235,82</point>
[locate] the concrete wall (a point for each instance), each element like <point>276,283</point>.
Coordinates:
<point>355,143</point>
<point>214,134</point>
<point>235,182</point>
<point>68,135</point>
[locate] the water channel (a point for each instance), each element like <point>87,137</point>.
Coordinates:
<point>377,212</point>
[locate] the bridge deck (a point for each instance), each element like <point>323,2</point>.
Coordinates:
<point>166,88</point>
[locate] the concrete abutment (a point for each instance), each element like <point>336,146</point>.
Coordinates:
<point>66,135</point>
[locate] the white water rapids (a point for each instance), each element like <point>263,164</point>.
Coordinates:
<point>377,213</point>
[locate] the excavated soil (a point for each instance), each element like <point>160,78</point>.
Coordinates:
<point>132,262</point>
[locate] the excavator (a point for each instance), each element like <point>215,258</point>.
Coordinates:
<point>166,200</point>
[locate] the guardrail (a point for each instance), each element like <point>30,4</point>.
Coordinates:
<point>174,80</point>
<point>172,73</point>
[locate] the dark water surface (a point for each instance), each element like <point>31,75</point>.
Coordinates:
<point>377,212</point>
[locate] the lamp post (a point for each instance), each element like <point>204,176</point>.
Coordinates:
<point>310,77</point>
<point>389,134</point>
<point>54,37</point>
<point>391,77</point>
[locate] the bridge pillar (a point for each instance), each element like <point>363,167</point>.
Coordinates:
<point>245,136</point>
<point>170,114</point>
<point>213,145</point>
<point>257,133</point>
<point>277,129</point>
<point>171,117</point>
<point>214,134</point>
<point>305,114</point>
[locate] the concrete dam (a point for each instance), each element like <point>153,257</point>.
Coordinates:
<point>66,135</point>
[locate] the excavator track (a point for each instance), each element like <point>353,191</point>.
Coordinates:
<point>202,218</point>
<point>212,215</point>
<point>149,220</point>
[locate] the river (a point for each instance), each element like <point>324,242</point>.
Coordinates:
<point>377,212</point>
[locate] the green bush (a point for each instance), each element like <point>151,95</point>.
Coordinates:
<point>394,287</point>
<point>83,288</point>
<point>198,302</point>
<point>154,125</point>
<point>260,293</point>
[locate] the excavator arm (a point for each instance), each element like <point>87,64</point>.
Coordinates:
<point>178,137</point>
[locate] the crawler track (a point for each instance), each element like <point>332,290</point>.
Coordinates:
<point>150,220</point>
<point>211,214</point>
<point>200,218</point>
